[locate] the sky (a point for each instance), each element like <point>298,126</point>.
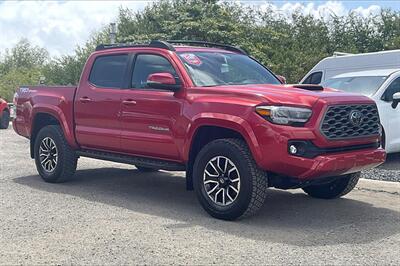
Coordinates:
<point>59,26</point>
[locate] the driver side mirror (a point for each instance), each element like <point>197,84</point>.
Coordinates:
<point>163,81</point>
<point>282,79</point>
<point>396,100</point>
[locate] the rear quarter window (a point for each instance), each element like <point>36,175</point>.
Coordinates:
<point>109,71</point>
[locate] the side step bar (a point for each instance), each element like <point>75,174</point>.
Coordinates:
<point>140,161</point>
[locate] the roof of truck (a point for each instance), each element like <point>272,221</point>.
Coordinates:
<point>178,49</point>
<point>187,48</point>
<point>174,45</point>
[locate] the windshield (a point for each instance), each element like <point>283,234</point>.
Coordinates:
<point>364,85</point>
<point>218,68</point>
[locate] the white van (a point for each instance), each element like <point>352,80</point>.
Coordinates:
<point>344,63</point>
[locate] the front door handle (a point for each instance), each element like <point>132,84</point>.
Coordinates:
<point>129,102</point>
<point>85,99</point>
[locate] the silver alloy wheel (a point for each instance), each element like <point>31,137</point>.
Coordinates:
<point>221,180</point>
<point>48,154</point>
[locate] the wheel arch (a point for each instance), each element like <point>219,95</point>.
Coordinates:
<point>42,117</point>
<point>39,121</point>
<point>208,129</point>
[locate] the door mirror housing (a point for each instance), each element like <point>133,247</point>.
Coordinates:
<point>163,81</point>
<point>396,100</point>
<point>282,79</point>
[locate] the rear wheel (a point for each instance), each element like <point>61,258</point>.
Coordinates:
<point>5,119</point>
<point>334,189</point>
<point>227,181</point>
<point>55,160</point>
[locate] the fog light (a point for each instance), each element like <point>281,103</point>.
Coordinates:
<point>292,149</point>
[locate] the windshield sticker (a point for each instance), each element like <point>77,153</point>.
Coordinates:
<point>191,59</point>
<point>24,90</point>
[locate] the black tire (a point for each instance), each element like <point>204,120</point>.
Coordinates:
<point>5,119</point>
<point>253,181</point>
<point>383,140</point>
<point>334,189</point>
<point>65,166</point>
<point>145,169</point>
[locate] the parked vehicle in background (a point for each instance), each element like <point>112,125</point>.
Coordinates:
<point>341,63</point>
<point>12,109</point>
<point>208,109</point>
<point>4,114</point>
<point>383,86</point>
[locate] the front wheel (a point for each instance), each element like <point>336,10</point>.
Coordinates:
<point>227,181</point>
<point>55,160</point>
<point>333,189</point>
<point>5,119</point>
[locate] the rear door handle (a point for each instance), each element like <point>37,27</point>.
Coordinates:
<point>129,102</point>
<point>85,99</point>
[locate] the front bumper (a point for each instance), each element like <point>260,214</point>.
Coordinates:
<point>330,158</point>
<point>332,164</point>
<point>341,163</point>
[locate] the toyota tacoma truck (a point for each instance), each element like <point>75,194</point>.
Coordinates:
<point>210,110</point>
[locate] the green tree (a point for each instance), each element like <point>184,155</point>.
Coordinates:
<point>17,77</point>
<point>290,46</point>
<point>23,55</point>
<point>21,65</point>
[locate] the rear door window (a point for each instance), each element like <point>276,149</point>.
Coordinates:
<point>109,71</point>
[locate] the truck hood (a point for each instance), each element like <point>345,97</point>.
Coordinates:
<point>280,94</point>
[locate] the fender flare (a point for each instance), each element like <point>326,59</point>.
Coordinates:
<point>232,122</point>
<point>58,114</point>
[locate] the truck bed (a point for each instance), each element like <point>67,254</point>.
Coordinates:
<point>30,100</point>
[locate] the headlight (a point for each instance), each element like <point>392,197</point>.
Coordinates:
<point>284,115</point>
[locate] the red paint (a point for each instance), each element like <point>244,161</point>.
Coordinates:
<point>3,106</point>
<point>162,124</point>
<point>162,78</point>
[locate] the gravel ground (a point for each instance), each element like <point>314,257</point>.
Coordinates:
<point>389,171</point>
<point>111,214</point>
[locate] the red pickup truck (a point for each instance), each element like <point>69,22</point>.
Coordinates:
<point>4,114</point>
<point>207,109</point>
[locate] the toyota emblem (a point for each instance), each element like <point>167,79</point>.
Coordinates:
<point>356,117</point>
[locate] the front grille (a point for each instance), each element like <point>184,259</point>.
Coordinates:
<point>350,121</point>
